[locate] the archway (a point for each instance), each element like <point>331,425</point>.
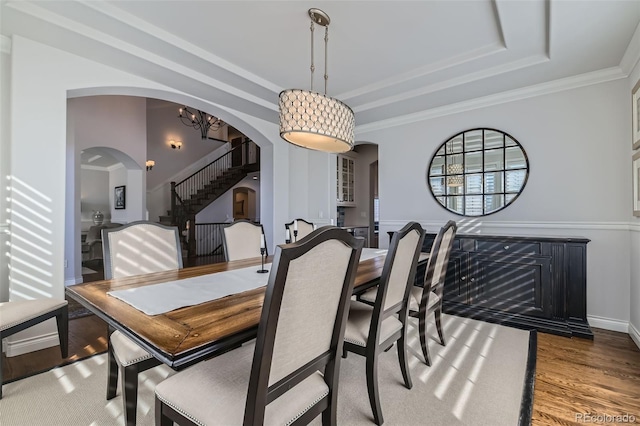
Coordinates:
<point>137,158</point>
<point>244,204</point>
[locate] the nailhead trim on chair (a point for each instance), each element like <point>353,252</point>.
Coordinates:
<point>134,361</point>
<point>309,407</point>
<point>193,419</point>
<point>179,410</point>
<point>356,342</point>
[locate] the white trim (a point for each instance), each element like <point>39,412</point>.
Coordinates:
<point>635,334</point>
<point>5,44</point>
<point>587,79</point>
<point>632,53</point>
<point>31,344</point>
<point>471,223</point>
<point>73,281</point>
<point>634,227</point>
<point>608,323</point>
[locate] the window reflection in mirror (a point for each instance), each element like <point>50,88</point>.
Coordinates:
<point>478,172</point>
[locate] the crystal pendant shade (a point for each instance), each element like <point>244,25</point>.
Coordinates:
<point>316,121</point>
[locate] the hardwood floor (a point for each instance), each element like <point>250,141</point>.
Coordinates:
<point>578,377</point>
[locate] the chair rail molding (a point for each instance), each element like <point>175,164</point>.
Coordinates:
<point>473,225</point>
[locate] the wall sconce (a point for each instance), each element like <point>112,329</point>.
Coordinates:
<point>150,164</point>
<point>175,144</point>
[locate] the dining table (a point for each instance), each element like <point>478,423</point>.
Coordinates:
<point>184,336</point>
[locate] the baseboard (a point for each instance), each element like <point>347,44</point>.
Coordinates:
<point>31,344</point>
<point>73,281</point>
<point>608,323</point>
<point>635,335</point>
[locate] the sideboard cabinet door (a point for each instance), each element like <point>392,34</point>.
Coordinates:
<point>512,284</point>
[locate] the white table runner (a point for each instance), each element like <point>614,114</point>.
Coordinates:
<point>164,297</point>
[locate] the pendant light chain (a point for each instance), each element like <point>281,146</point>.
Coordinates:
<point>326,57</point>
<point>313,67</point>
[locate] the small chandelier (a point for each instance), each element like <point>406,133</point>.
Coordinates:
<point>458,178</point>
<point>313,120</point>
<point>150,164</point>
<point>175,144</point>
<point>199,120</point>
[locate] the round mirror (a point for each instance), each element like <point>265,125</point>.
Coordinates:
<point>478,172</point>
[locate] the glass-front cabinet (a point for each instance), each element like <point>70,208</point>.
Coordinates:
<point>345,180</point>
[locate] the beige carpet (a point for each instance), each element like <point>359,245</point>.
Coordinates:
<point>477,379</point>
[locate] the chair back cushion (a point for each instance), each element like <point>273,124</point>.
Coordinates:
<point>303,317</point>
<point>309,306</point>
<point>242,240</point>
<point>141,248</point>
<point>404,260</point>
<point>442,246</point>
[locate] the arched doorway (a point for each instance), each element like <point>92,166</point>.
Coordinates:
<point>244,204</point>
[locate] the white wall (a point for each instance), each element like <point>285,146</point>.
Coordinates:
<point>164,125</point>
<point>634,299</point>
<point>94,196</point>
<point>221,210</point>
<point>578,147</point>
<point>5,170</point>
<point>118,125</point>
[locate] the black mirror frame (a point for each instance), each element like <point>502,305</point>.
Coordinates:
<point>483,129</point>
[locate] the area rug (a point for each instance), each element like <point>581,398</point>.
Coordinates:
<point>76,310</point>
<point>484,376</point>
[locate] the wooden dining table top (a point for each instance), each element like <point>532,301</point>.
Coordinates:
<point>187,335</point>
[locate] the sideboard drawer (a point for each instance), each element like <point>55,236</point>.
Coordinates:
<point>508,247</point>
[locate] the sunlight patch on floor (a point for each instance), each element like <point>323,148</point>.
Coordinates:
<point>64,381</point>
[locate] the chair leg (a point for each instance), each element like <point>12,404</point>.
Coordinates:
<point>439,326</point>
<point>1,369</point>
<point>130,393</point>
<point>161,419</point>
<point>112,377</point>
<point>372,387</point>
<point>62,320</point>
<point>422,331</point>
<point>404,366</point>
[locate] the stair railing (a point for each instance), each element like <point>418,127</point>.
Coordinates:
<point>182,192</point>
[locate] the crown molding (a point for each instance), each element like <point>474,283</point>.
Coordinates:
<point>122,45</point>
<point>458,81</point>
<point>128,19</point>
<point>5,44</point>
<point>568,83</point>
<point>632,54</point>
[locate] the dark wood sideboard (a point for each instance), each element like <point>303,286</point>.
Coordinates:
<point>526,282</point>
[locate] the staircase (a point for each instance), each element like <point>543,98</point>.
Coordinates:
<point>193,194</point>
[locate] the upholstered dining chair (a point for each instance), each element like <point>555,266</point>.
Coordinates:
<point>289,375</point>
<point>136,248</point>
<point>373,329</point>
<point>304,228</point>
<point>19,315</point>
<point>427,299</point>
<point>242,240</point>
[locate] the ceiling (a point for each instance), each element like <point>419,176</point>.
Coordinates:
<point>389,60</point>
